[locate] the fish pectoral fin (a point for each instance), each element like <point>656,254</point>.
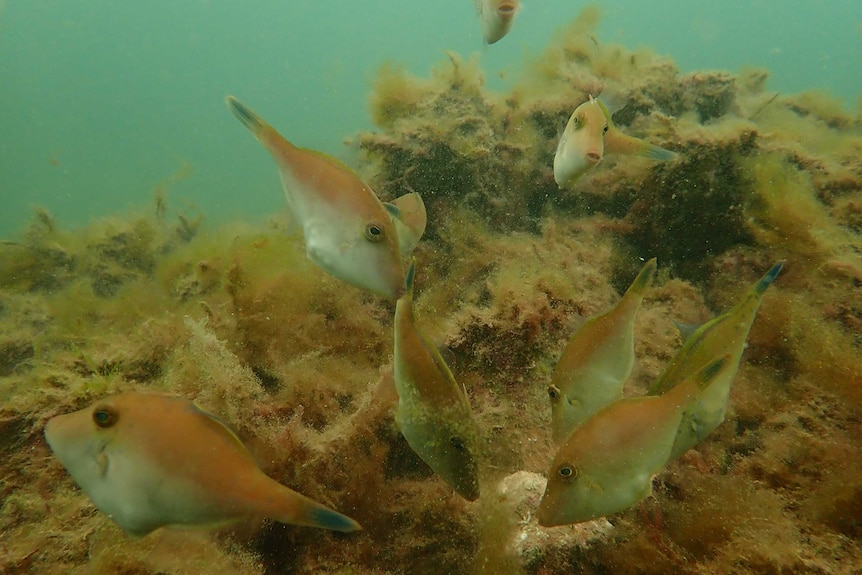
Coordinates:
<point>102,462</point>
<point>297,509</point>
<point>410,218</point>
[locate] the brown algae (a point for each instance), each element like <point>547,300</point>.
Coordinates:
<point>236,319</point>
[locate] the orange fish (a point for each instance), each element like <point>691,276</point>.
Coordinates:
<point>433,411</point>
<point>597,361</point>
<point>607,463</point>
<point>725,334</point>
<point>151,460</point>
<point>348,232</point>
<point>589,135</point>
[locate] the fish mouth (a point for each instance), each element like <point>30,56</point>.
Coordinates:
<point>506,8</point>
<point>593,158</point>
<point>547,517</point>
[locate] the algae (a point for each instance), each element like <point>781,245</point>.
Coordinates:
<point>235,318</point>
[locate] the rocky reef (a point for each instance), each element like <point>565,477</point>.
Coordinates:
<point>297,363</point>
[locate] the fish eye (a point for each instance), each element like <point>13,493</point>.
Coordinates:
<point>373,233</point>
<point>457,442</point>
<point>553,392</point>
<point>104,417</point>
<point>568,472</point>
<point>605,129</point>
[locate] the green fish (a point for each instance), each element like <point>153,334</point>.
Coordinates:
<point>597,361</point>
<point>723,335</point>
<point>607,463</point>
<point>433,411</point>
<point>149,460</point>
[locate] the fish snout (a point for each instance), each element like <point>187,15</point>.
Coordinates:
<point>506,9</point>
<point>547,513</point>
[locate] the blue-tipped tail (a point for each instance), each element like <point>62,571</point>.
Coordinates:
<point>243,113</point>
<point>654,152</point>
<point>767,279</point>
<point>328,519</point>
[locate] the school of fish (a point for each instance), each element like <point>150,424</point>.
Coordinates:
<point>149,461</point>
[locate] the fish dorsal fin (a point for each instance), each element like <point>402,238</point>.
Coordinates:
<point>644,278</point>
<point>217,425</point>
<point>604,109</point>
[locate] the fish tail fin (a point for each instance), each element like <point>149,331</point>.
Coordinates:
<point>768,278</point>
<point>618,143</point>
<point>325,518</point>
<point>297,509</point>
<point>654,152</point>
<point>644,279</point>
<point>277,145</point>
<point>249,119</point>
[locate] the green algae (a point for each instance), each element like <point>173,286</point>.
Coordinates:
<point>237,319</point>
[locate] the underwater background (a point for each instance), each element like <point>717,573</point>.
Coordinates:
<point>146,246</point>
<point>103,101</point>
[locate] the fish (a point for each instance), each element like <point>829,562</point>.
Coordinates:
<point>349,233</point>
<point>433,411</point>
<point>597,361</point>
<point>496,17</point>
<point>589,135</point>
<point>724,334</point>
<point>150,460</point>
<point>410,219</point>
<point>607,463</point>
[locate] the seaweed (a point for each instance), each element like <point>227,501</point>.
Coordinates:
<point>235,318</point>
